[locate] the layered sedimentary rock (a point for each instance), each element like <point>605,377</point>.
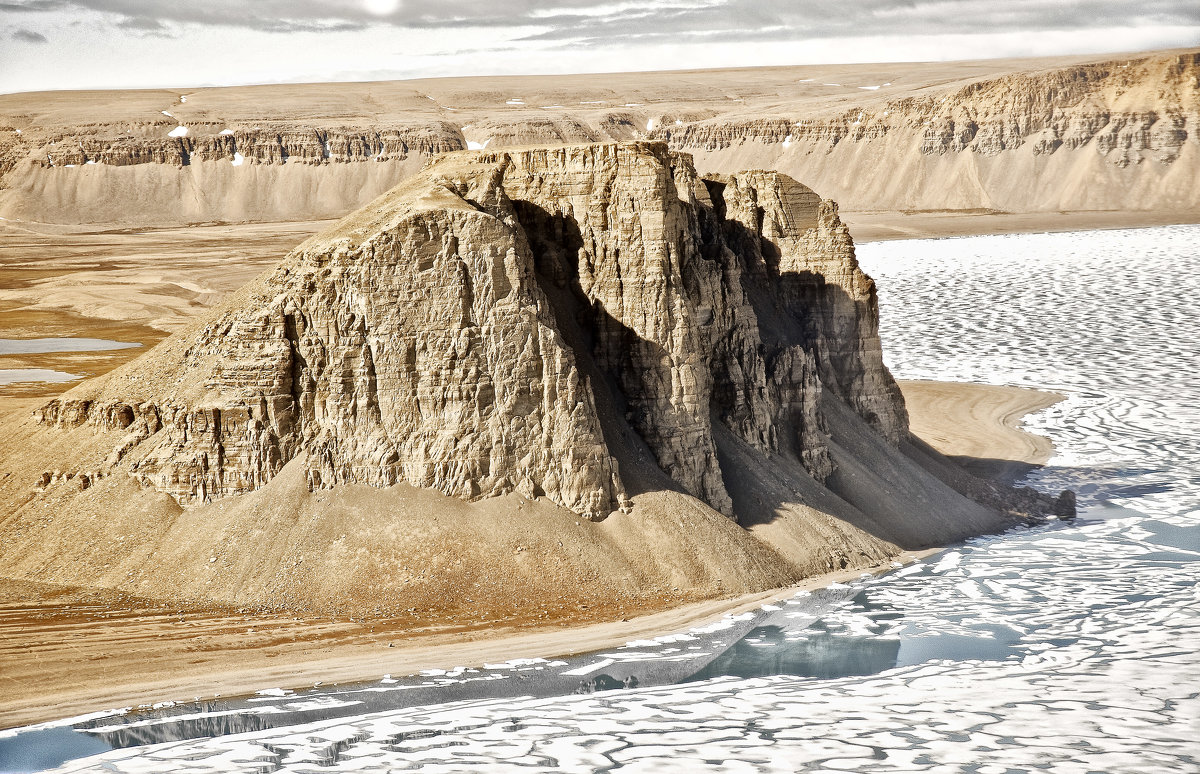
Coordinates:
<point>1117,135</point>
<point>1121,134</point>
<point>494,323</point>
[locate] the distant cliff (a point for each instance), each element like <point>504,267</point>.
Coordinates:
<point>546,336</point>
<point>1120,135</point>
<point>1107,135</point>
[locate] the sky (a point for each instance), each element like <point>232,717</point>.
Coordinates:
<point>79,44</point>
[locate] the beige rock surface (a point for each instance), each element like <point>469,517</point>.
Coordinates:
<point>438,393</point>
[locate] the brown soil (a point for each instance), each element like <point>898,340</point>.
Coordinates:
<point>127,286</point>
<point>885,226</point>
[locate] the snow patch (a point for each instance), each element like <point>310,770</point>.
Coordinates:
<point>238,159</point>
<point>650,125</point>
<point>179,131</point>
<point>168,114</point>
<point>472,145</point>
<point>225,131</point>
<point>587,670</point>
<point>515,101</point>
<point>787,141</point>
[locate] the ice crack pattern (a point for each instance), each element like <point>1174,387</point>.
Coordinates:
<point>1065,648</point>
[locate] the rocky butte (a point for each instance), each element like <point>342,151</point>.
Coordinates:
<point>523,378</point>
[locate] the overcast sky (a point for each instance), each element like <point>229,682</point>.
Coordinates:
<point>72,44</point>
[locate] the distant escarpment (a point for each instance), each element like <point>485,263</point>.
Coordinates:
<point>1118,135</point>
<point>1104,135</point>
<point>592,331</point>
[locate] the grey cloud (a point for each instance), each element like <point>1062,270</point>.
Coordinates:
<point>32,6</point>
<point>589,22</point>
<point>749,20</point>
<point>29,36</point>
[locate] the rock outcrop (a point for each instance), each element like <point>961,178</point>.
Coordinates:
<point>486,327</point>
<point>524,380</point>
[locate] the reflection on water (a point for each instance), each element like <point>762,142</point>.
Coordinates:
<point>769,651</point>
<point>24,375</point>
<point>47,748</point>
<point>47,346</point>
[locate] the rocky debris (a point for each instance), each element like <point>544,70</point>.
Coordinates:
<point>1064,506</point>
<point>520,321</point>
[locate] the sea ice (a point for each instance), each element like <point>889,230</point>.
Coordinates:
<point>588,669</point>
<point>1088,625</point>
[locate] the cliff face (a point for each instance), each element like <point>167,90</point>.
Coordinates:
<point>1107,135</point>
<point>1114,135</point>
<point>412,411</point>
<point>489,327</point>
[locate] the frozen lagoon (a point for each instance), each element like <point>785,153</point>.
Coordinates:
<point>1069,647</point>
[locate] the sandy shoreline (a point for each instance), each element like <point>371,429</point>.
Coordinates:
<point>887,226</point>
<point>949,416</point>
<point>63,653</point>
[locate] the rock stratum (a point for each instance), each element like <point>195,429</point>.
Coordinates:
<point>561,373</point>
<point>1078,134</point>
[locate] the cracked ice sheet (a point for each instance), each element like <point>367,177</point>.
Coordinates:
<point>1101,616</point>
